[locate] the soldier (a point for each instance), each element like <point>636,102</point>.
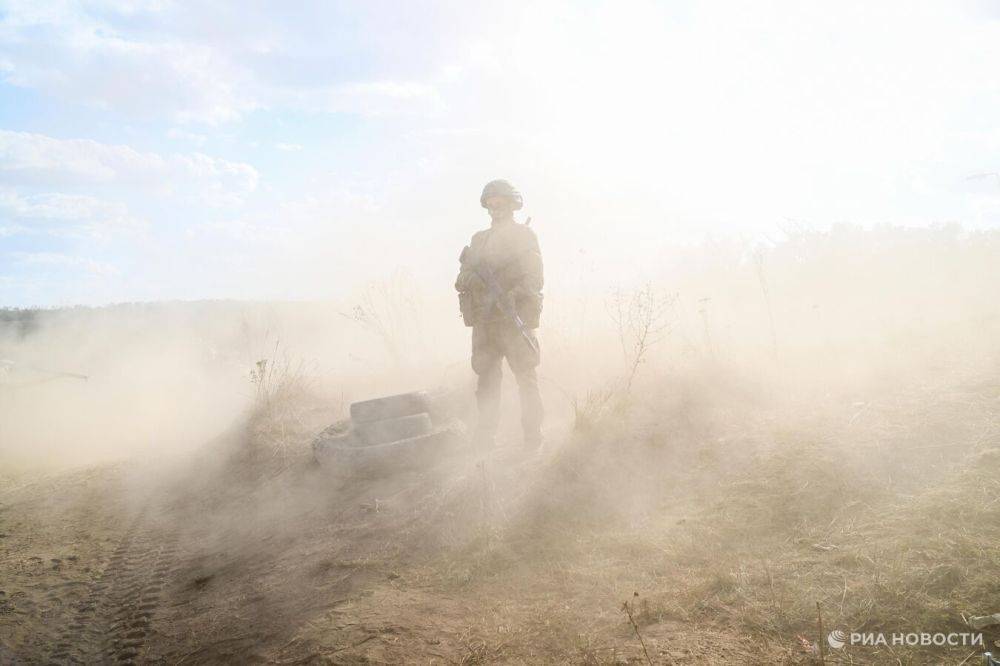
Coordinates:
<point>499,291</point>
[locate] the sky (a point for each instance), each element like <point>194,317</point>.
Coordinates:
<point>251,150</point>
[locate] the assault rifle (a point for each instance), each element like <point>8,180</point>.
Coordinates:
<point>499,297</point>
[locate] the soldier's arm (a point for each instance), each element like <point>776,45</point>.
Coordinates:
<point>462,281</point>
<point>531,277</point>
<point>535,278</point>
<point>466,276</point>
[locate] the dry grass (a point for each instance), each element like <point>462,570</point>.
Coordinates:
<point>284,413</point>
<point>740,507</point>
<point>733,526</point>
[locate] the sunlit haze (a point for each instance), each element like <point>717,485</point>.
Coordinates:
<point>164,150</point>
<point>509,332</point>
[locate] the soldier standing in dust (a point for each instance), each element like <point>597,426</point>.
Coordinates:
<point>503,319</point>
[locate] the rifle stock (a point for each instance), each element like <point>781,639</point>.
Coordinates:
<point>497,296</point>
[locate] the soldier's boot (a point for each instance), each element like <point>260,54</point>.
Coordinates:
<point>532,411</point>
<point>488,404</point>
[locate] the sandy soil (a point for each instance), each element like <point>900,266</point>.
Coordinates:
<point>301,568</point>
<point>722,530</point>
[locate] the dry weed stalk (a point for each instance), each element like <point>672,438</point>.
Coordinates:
<point>628,611</point>
<point>642,319</point>
<point>276,379</point>
<point>280,385</point>
<point>596,406</point>
<point>819,642</point>
<point>389,309</point>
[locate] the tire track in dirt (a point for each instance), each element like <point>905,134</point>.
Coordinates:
<point>112,624</point>
<point>141,593</point>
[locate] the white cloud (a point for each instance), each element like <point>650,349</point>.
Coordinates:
<point>668,119</point>
<point>197,176</point>
<point>69,51</point>
<point>64,261</point>
<point>184,72</point>
<point>328,210</point>
<point>183,135</point>
<point>375,98</point>
<point>66,215</point>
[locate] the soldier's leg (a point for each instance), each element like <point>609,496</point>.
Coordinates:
<point>486,358</point>
<point>523,362</point>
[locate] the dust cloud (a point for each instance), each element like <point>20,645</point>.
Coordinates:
<point>817,311</point>
<point>738,403</point>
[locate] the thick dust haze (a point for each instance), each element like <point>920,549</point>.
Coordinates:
<point>242,419</point>
<point>812,391</point>
<point>833,310</point>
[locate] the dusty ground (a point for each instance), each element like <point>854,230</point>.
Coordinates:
<point>721,515</point>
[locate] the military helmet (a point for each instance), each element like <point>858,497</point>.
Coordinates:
<point>501,188</point>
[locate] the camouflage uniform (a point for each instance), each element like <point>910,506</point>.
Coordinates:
<point>511,251</point>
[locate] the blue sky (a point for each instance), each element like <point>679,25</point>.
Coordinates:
<point>169,150</point>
